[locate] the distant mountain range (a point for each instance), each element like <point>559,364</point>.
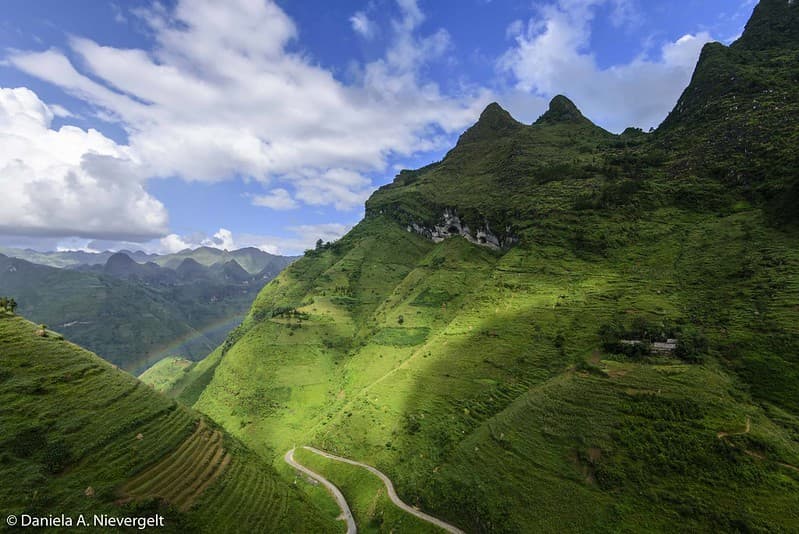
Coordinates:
<point>251,259</point>
<point>136,313</point>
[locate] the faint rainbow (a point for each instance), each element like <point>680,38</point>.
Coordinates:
<point>176,347</point>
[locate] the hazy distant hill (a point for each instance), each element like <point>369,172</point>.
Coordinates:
<point>132,313</point>
<point>253,260</point>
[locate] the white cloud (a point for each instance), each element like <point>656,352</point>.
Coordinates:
<point>223,239</point>
<point>412,16</point>
<point>173,243</point>
<point>301,238</point>
<point>348,189</point>
<point>363,25</point>
<point>70,181</point>
<point>276,199</point>
<point>551,55</point>
<point>210,104</point>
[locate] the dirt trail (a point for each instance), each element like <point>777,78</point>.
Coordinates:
<point>346,513</point>
<point>391,491</point>
<point>722,435</point>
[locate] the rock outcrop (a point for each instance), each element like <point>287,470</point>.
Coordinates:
<point>451,225</point>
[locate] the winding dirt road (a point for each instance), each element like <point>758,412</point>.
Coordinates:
<point>391,491</point>
<point>346,513</point>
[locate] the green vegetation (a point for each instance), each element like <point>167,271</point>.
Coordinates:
<point>489,384</point>
<point>165,374</point>
<point>8,305</point>
<point>80,436</point>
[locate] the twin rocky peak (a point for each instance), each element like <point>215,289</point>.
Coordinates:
<point>495,121</point>
<point>774,25</point>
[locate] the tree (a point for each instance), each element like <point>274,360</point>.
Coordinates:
<point>3,303</point>
<point>319,244</point>
<point>692,346</point>
<point>12,305</point>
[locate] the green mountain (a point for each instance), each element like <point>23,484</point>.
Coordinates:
<point>253,260</point>
<point>81,437</point>
<point>498,334</point>
<point>135,314</point>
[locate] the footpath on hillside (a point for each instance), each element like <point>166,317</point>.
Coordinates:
<point>753,454</point>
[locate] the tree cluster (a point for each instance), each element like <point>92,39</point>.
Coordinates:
<point>322,246</point>
<point>8,304</point>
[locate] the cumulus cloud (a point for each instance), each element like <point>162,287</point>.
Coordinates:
<point>70,181</point>
<point>209,104</point>
<point>552,55</point>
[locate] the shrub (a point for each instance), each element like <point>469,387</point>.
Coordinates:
<point>412,424</point>
<point>57,456</point>
<point>692,346</point>
<point>28,442</point>
<point>612,336</point>
<point>559,341</point>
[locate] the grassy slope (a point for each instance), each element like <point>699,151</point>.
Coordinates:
<point>165,374</point>
<point>477,380</point>
<point>71,420</point>
<point>488,423</point>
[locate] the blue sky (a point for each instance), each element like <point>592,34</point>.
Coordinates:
<point>165,125</point>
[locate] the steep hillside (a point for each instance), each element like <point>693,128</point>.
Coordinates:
<point>497,335</point>
<point>736,121</point>
<point>79,436</point>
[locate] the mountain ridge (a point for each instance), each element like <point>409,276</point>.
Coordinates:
<point>774,23</point>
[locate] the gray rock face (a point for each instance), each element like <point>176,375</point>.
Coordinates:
<point>451,226</point>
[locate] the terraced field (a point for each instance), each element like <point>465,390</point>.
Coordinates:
<point>77,435</point>
<point>246,486</point>
<point>184,474</point>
